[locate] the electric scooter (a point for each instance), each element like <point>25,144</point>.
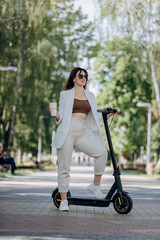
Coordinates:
<point>121,200</point>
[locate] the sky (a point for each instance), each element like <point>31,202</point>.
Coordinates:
<point>88,7</point>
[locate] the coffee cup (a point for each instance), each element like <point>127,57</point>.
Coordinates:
<point>53,107</point>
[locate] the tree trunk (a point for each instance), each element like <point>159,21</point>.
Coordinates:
<point>153,72</point>
<point>154,79</point>
<point>15,104</point>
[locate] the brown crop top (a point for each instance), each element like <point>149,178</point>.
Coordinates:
<point>81,106</point>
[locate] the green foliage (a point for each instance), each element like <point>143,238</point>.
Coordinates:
<point>155,137</point>
<point>52,38</point>
<point>125,77</point>
<point>139,20</point>
<point>129,67</point>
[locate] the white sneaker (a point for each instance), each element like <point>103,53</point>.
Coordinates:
<point>64,206</point>
<point>96,190</point>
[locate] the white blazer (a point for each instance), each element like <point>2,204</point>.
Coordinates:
<point>65,111</point>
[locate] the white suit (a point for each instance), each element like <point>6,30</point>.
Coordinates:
<point>73,132</point>
<point>65,111</point>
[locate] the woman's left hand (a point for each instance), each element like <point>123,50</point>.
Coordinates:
<point>111,114</point>
<point>118,110</point>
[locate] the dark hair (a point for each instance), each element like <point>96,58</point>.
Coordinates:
<point>69,83</point>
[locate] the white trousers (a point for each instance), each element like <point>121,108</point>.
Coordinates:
<point>77,138</point>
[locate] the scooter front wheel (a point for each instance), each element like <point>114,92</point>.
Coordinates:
<point>57,197</point>
<point>125,207</point>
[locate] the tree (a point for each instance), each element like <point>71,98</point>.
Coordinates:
<point>45,40</point>
<point>119,67</point>
<point>139,19</point>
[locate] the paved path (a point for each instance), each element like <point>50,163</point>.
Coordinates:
<point>27,210</point>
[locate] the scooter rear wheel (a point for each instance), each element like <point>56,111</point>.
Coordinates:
<point>57,197</point>
<point>124,208</point>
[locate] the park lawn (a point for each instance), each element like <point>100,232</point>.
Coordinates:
<point>26,170</point>
<point>137,172</point>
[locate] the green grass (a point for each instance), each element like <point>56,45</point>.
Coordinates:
<point>131,171</point>
<point>142,173</point>
<point>27,170</point>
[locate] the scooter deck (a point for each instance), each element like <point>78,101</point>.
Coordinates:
<point>89,201</point>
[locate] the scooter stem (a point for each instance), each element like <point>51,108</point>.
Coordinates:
<point>105,119</point>
<point>116,169</point>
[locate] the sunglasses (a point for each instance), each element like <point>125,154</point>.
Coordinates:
<point>81,76</point>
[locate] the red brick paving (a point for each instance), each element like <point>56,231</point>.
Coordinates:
<point>27,209</point>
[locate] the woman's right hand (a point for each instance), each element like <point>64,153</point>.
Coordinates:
<point>57,116</point>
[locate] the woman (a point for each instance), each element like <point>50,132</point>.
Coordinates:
<point>79,128</point>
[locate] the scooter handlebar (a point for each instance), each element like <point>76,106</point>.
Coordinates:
<point>108,110</point>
